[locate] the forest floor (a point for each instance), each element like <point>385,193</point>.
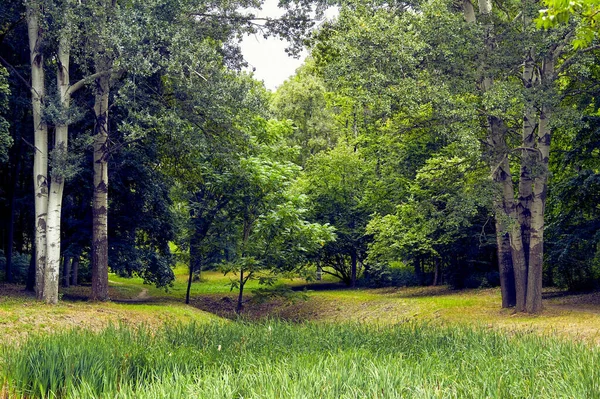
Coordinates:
<point>574,316</point>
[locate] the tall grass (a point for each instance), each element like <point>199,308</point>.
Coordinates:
<point>283,360</point>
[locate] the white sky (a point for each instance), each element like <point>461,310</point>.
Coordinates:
<point>267,56</point>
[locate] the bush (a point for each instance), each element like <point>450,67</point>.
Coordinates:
<point>379,275</point>
<point>482,280</point>
<point>20,266</point>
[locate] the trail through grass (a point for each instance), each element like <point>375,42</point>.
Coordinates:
<point>310,360</point>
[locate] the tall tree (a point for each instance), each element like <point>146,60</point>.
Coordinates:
<point>40,161</point>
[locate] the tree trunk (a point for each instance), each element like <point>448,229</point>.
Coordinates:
<point>468,11</point>
<point>419,270</point>
<point>507,275</point>
<point>40,133</point>
<point>240,303</point>
<point>194,260</point>
<point>30,284</point>
<point>528,155</point>
<point>12,206</point>
<point>353,260</point>
<point>540,187</point>
<point>436,272</point>
<point>505,209</point>
<point>51,279</point>
<point>75,271</point>
<point>100,196</point>
<point>189,284</point>
<point>67,271</point>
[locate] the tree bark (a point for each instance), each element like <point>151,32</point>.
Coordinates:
<point>40,158</point>
<point>100,195</point>
<point>511,259</point>
<point>51,279</point>
<point>507,275</point>
<point>67,271</point>
<point>12,206</point>
<point>75,271</point>
<point>528,152</point>
<point>189,284</point>
<point>468,11</point>
<point>30,284</point>
<point>540,188</point>
<point>240,303</point>
<point>353,260</point>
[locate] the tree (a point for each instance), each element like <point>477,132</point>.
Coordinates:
<point>271,235</point>
<point>335,184</point>
<point>304,100</point>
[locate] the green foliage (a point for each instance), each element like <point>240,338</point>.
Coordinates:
<point>303,100</point>
<point>559,12</point>
<point>335,184</point>
<point>275,359</point>
<point>573,237</point>
<point>270,233</point>
<point>384,275</point>
<point>20,266</point>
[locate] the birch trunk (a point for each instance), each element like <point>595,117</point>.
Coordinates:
<point>51,279</point>
<point>100,195</point>
<point>469,11</point>
<point>40,132</point>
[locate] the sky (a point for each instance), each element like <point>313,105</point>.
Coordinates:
<point>267,56</point>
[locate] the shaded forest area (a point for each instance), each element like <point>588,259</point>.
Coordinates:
<point>421,143</point>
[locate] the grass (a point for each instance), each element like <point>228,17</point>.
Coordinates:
<point>21,315</point>
<point>366,343</point>
<point>572,316</point>
<point>275,359</point>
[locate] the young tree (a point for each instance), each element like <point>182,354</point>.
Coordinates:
<point>271,235</point>
<point>335,184</point>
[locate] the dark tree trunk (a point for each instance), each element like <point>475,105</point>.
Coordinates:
<point>30,286</point>
<point>507,275</point>
<point>100,197</point>
<point>189,284</point>
<point>436,274</point>
<point>67,271</point>
<point>75,271</point>
<point>418,270</point>
<point>353,259</point>
<point>12,206</point>
<point>240,303</point>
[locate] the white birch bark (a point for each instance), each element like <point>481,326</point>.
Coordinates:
<point>51,280</point>
<point>40,157</point>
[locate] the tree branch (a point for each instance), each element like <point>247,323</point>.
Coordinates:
<point>573,58</point>
<point>78,85</point>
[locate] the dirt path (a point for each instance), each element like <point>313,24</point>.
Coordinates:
<point>142,296</point>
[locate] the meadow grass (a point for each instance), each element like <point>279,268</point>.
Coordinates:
<point>275,359</point>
